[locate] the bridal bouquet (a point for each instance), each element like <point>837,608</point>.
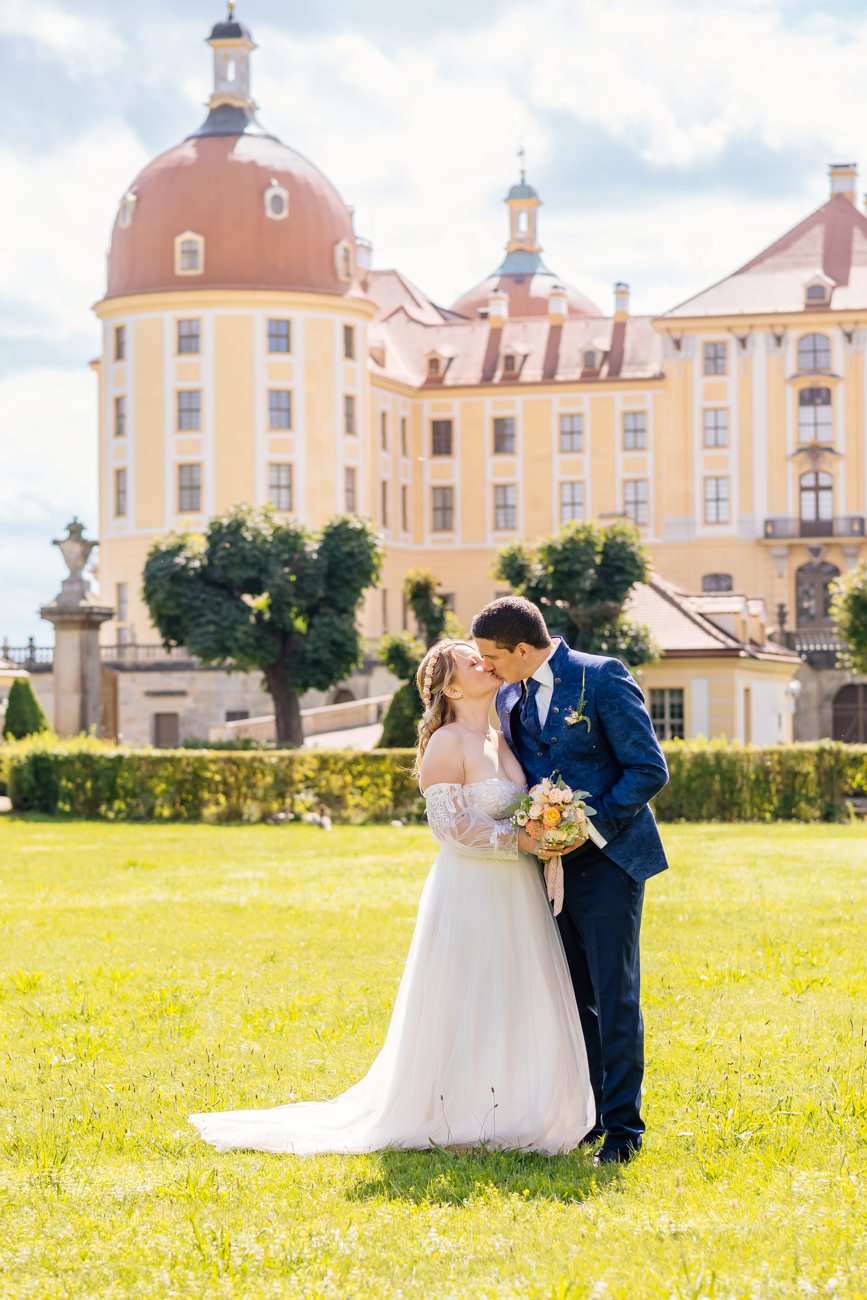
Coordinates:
<point>555,815</point>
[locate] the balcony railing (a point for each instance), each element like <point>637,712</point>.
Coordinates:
<point>841,526</point>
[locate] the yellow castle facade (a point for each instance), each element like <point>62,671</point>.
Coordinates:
<point>250,352</point>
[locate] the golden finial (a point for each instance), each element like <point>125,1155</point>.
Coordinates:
<point>231,10</point>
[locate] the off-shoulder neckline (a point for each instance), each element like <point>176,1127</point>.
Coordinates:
<point>468,785</point>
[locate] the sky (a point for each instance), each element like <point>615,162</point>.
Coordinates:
<point>669,142</point>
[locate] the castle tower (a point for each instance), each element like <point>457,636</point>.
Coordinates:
<point>233,360</point>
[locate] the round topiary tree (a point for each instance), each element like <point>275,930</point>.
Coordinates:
<point>24,713</point>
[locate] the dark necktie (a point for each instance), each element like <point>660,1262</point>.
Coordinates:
<point>529,714</point>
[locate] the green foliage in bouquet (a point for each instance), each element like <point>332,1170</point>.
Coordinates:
<point>580,577</point>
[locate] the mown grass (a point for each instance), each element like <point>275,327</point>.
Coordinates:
<point>147,972</point>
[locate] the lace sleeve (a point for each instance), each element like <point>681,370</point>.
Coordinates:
<point>455,822</point>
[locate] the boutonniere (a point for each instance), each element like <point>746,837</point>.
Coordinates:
<point>577,714</point>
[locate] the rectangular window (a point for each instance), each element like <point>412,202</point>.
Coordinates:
<point>571,432</point>
<point>505,506</point>
<point>384,598</point>
<point>349,414</point>
<point>634,430</point>
<point>383,502</point>
<point>121,602</point>
<point>279,408</point>
<point>571,502</point>
<point>716,426</point>
<point>404,508</point>
<point>120,342</point>
<point>350,489</point>
<point>120,492</point>
<point>441,438</point>
<point>443,499</point>
<point>715,358</point>
<point>509,363</point>
<point>280,486</point>
<point>237,715</point>
<point>383,430</point>
<point>279,336</point>
<point>635,500</point>
<point>119,417</point>
<point>404,446</point>
<point>666,713</point>
<point>349,342</point>
<point>504,435</point>
<point>190,255</point>
<point>189,333</point>
<point>716,501</point>
<point>189,409</point>
<point>189,489</point>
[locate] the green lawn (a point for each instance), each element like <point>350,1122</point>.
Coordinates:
<point>147,972</point>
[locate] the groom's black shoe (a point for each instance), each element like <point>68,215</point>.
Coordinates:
<point>615,1155</point>
<point>591,1139</point>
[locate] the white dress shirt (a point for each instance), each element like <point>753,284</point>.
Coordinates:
<point>544,675</point>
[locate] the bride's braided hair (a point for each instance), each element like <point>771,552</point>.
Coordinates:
<point>435,672</point>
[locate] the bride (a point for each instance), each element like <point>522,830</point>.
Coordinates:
<point>485,1043</point>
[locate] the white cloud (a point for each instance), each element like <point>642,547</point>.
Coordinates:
<point>48,473</point>
<point>57,221</point>
<point>83,46</point>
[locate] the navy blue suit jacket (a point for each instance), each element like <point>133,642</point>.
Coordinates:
<point>618,759</point>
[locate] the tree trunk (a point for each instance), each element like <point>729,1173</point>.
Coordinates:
<point>287,707</point>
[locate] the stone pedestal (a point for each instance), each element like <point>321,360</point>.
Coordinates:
<point>77,620</point>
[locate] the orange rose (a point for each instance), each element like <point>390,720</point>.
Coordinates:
<point>534,829</point>
<point>551,818</point>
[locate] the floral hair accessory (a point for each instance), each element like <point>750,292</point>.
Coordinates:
<point>428,674</point>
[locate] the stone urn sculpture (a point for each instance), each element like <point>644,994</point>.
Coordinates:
<point>77,619</point>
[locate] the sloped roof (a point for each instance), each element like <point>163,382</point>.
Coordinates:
<point>832,241</point>
<point>474,349</point>
<point>680,628</point>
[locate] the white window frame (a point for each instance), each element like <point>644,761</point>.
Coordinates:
<point>192,237</point>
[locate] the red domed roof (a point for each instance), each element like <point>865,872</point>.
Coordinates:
<point>527,293</point>
<point>215,186</point>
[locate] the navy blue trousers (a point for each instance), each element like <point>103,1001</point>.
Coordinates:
<point>600,925</point>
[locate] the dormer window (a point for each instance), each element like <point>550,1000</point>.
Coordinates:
<point>433,367</point>
<point>189,254</point>
<point>510,364</point>
<point>276,202</point>
<point>343,259</point>
<point>817,291</point>
<point>590,359</point>
<point>125,210</point>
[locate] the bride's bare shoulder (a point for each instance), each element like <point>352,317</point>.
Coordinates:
<point>443,759</point>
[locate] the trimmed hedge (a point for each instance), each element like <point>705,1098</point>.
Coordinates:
<point>710,781</point>
<point>88,779</point>
<point>718,781</point>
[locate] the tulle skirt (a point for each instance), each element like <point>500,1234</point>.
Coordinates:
<point>484,1044</point>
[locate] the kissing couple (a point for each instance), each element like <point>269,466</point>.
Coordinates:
<point>510,1028</point>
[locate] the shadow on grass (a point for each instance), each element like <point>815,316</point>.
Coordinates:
<point>439,1177</point>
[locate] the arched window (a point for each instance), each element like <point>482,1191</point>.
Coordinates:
<point>817,502</point>
<point>813,594</point>
<point>814,352</point>
<point>189,253</point>
<point>815,416</point>
<point>850,714</point>
<point>343,259</point>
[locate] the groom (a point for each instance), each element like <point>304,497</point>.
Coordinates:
<point>584,716</point>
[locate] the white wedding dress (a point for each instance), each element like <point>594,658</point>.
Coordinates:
<point>485,1043</point>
